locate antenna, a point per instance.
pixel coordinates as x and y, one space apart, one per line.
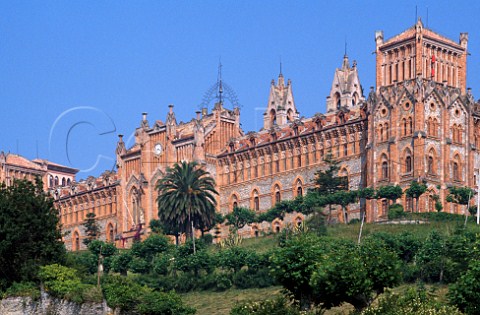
219 81
345 45
281 65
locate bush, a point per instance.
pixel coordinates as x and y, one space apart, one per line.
139 265
279 306
121 262
207 239
63 282
163 303
465 293
395 211
260 278
23 289
235 258
223 282
413 302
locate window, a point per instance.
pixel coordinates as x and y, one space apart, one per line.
404 122
256 201
76 241
345 149
456 172
408 164
430 168
385 170
56 180
68 182
299 191
278 197
299 160
51 181
384 207
63 182
410 125
234 205
409 204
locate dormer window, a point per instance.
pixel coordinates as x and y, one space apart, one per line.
231 147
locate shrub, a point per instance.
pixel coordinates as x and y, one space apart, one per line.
413 302
63 282
23 289
121 261
235 258
163 303
223 282
465 293
395 211
139 265
279 306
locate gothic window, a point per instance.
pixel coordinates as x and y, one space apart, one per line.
63 182
278 197
345 149
110 233
76 241
456 171
277 165
56 181
410 125
384 206
385 130
409 204
273 117
408 164
299 160
337 100
385 170
380 132
68 182
234 205
256 201
51 181
299 185
404 123
307 158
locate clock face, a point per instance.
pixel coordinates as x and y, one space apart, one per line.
158 149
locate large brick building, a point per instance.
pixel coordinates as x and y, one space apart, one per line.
419 123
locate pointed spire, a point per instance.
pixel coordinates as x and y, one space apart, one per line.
219 81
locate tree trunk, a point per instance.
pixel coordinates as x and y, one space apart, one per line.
361 226
177 239
344 209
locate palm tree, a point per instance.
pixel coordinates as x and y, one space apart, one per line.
186 198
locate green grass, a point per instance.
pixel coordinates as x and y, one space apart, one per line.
220 303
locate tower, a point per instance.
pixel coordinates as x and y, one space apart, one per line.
421 118
346 89
281 105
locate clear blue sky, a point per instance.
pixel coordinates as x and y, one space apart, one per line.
86 70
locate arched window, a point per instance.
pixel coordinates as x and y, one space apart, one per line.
384 169
404 121
456 171
384 207
435 127
409 204
408 164
110 233
63 182
256 201
290 115
299 188
51 181
345 149
385 130
56 181
234 205
75 241
337 100
273 117
278 197
431 162
380 132
410 125
69 182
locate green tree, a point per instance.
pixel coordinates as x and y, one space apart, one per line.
415 191
186 198
343 199
328 182
465 293
92 230
354 274
240 217
30 234
390 192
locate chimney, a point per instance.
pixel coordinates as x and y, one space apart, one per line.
170 108
120 138
144 116
204 111
198 114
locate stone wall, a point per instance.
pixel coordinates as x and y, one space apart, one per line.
47 305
